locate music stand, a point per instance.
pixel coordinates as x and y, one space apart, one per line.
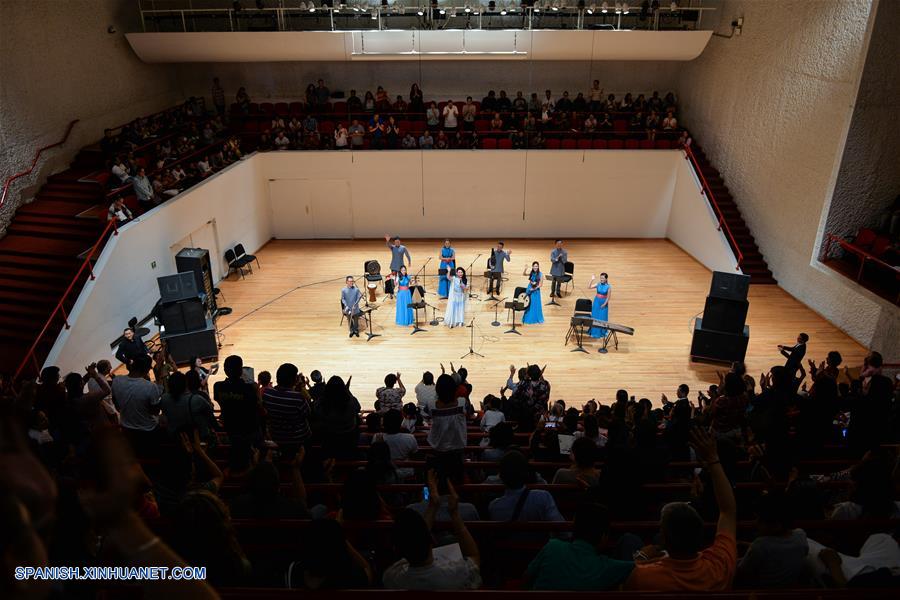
367 312
416 306
499 277
496 321
514 306
471 351
578 330
553 301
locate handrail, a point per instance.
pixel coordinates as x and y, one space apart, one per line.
37 157
707 191
113 225
864 255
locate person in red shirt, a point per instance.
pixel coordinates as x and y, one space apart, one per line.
683 566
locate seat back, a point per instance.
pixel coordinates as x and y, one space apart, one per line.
583 305
865 238
569 267
239 250
229 256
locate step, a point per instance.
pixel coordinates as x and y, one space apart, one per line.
26 273
9 297
26 312
49 286
18 245
58 208
39 264
70 175
73 186
87 234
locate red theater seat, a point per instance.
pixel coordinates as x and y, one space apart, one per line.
489 144
552 144
504 144
616 144
599 144
568 144
647 145
632 144
584 144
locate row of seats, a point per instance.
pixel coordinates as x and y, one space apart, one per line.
285 109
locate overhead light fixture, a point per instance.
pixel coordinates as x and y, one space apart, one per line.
420 12
625 8
312 6
467 9
604 8
618 8
442 11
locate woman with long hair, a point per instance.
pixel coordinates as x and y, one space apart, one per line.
416 102
336 421
455 315
534 314
448 265
600 307
404 314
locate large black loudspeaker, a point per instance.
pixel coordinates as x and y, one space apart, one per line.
183 346
182 316
177 287
721 314
730 286
721 334
718 346
196 261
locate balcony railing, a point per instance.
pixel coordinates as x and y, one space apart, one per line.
328 15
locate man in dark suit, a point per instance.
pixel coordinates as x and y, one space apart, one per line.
794 354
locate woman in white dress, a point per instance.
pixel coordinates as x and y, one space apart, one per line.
455 315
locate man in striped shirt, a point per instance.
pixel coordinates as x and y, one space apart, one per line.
287 411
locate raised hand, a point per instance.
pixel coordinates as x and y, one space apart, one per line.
704 445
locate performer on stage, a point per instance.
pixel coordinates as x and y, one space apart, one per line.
455 315
600 308
534 314
558 258
350 297
404 297
495 263
448 264
398 251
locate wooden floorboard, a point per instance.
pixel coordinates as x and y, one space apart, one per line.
288 310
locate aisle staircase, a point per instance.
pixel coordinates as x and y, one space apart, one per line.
753 263
40 253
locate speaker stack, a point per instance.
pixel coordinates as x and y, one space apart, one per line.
721 335
187 327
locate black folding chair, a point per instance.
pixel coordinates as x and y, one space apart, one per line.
245 258
233 263
570 274
583 306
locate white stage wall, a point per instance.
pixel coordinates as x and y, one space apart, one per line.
430 194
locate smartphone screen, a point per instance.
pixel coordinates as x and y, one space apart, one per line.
425 493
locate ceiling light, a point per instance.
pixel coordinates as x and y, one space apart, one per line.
442 11
467 9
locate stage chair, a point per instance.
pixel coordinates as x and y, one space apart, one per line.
569 273
233 263
583 306
244 257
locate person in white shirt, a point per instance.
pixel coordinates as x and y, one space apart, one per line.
138 400
424 567
670 122
403 446
178 173
203 166
492 415
341 136
426 396
120 170
118 211
450 114
281 141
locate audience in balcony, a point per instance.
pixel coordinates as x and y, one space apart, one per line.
450 113
416 99
354 104
426 141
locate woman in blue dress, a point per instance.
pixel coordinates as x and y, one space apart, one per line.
404 298
448 262
455 315
535 312
600 308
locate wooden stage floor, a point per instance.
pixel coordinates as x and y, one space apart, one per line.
288 311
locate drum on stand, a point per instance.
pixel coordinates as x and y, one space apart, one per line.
372 286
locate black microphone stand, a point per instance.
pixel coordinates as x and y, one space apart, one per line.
471 351
472 275
496 321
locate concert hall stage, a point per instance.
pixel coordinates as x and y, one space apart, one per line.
289 311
